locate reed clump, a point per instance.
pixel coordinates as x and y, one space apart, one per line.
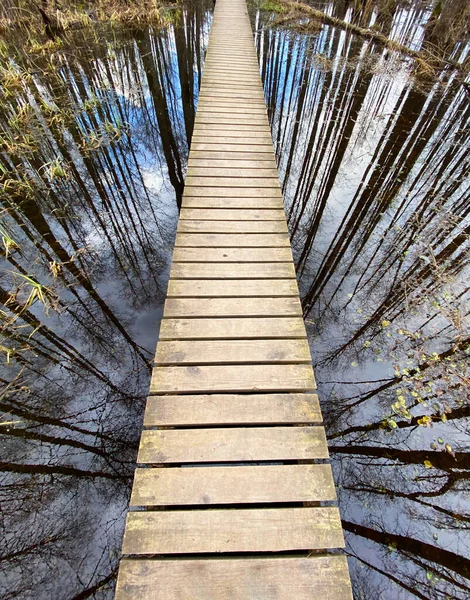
57 16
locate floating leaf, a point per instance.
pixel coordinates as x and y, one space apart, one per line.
354 364
448 448
427 464
391 423
385 324
440 440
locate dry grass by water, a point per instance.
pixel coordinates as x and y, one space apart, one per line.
305 19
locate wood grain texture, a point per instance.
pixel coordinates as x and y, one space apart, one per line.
221 240
258 270
292 578
229 255
226 214
243 328
254 530
232 378
232 445
232 485
227 192
221 352
234 409
232 163
187 226
232 203
288 306
241 288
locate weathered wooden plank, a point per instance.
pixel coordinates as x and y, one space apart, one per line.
227 255
232 307
244 328
232 271
234 137
235 240
233 409
235 444
233 182
235 288
238 192
227 147
237 83
235 203
232 171
231 163
217 118
233 378
187 226
233 485
254 530
292 578
223 352
201 214
234 129
219 91
211 101
235 110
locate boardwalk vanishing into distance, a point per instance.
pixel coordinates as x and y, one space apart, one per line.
233 497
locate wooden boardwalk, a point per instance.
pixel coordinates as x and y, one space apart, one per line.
233 497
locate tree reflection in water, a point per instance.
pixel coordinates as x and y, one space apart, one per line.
94 143
374 165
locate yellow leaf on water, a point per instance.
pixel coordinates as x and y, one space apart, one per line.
428 464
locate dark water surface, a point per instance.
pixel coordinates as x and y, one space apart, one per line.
374 165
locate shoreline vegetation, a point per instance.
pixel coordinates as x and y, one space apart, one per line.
445 33
54 17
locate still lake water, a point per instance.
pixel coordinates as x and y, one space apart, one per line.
374 165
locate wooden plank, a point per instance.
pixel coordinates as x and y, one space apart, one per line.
232 271
224 192
233 182
210 101
236 444
233 485
235 240
254 530
201 214
232 307
223 352
227 255
243 328
232 163
233 138
234 409
235 203
237 83
241 288
186 226
234 129
223 108
232 171
232 378
224 119
291 578
232 157
224 146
